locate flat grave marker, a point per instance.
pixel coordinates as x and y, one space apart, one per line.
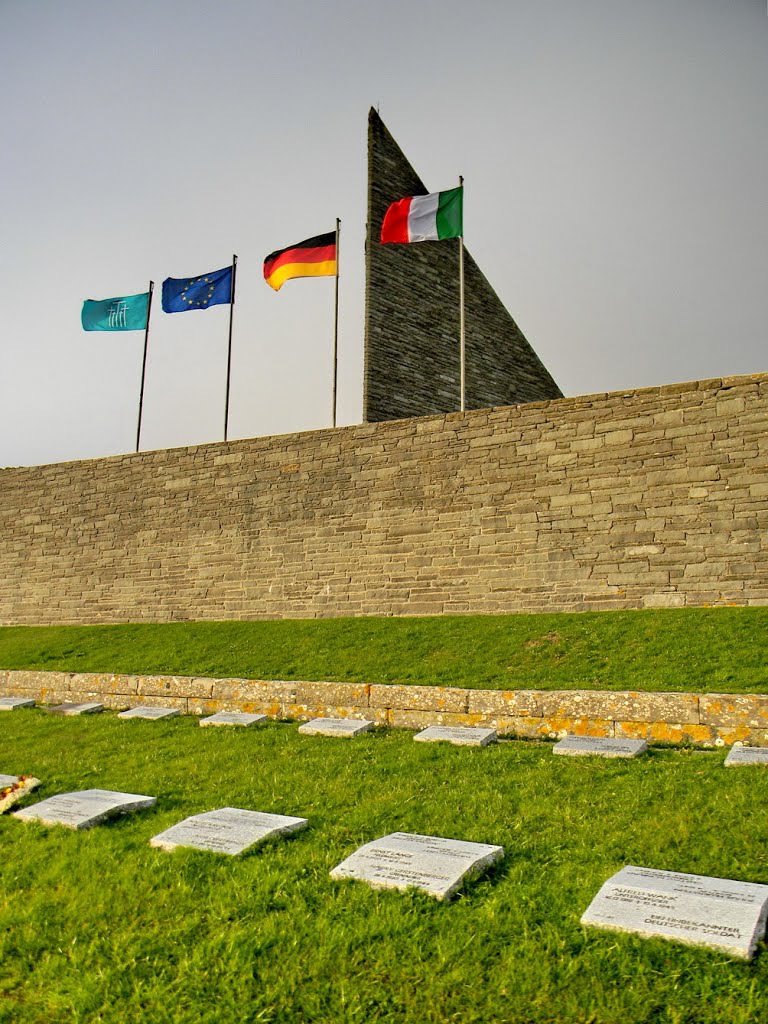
403 860
14 788
232 718
738 756
228 830
599 746
459 735
346 727
700 911
12 703
152 714
85 808
69 708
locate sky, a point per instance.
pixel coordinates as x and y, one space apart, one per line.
614 152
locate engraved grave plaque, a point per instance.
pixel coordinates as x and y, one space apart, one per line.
738 756
599 746
459 735
403 860
85 808
69 708
232 718
695 909
152 714
12 703
348 727
227 830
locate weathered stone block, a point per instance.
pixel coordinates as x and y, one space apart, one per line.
103 683
349 694
416 698
173 686
733 710
625 705
503 703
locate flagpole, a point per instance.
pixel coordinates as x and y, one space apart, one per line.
229 344
336 323
144 363
462 346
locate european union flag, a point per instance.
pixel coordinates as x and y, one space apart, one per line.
182 293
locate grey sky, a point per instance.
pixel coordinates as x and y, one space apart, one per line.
615 159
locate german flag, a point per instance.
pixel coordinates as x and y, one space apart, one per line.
314 257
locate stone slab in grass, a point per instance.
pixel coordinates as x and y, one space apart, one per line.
13 703
403 860
232 718
717 912
228 830
459 735
738 756
599 746
14 788
85 808
151 714
69 708
343 727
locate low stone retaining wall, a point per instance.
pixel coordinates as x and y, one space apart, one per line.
704 719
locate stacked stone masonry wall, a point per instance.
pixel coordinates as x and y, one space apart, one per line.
649 498
412 365
713 719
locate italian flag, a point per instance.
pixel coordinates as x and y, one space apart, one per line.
424 218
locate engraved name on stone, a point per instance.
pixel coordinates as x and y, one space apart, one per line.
152 714
347 727
459 735
69 708
738 756
717 912
85 808
228 830
232 718
403 860
12 703
599 746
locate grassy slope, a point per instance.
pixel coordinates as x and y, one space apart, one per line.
720 649
99 926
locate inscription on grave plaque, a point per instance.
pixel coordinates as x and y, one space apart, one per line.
151 714
403 860
738 756
599 746
459 735
85 808
695 909
228 830
69 708
12 703
348 727
232 718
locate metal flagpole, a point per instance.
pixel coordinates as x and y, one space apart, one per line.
229 344
144 363
462 347
336 323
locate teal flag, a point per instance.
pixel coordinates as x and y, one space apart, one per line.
125 313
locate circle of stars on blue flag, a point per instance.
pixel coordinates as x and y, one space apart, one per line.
206 298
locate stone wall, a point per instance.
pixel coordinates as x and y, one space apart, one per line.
650 498
412 365
713 719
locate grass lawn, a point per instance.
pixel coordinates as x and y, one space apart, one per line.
99 926
699 649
